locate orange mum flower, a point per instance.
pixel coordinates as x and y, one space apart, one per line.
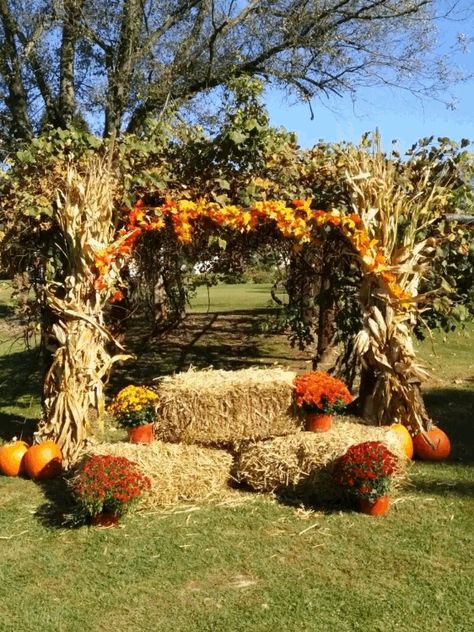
319 392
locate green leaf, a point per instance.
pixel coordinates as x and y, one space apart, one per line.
237 137
31 211
460 313
25 157
223 184
446 287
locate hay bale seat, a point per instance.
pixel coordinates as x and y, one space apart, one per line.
300 466
178 473
223 408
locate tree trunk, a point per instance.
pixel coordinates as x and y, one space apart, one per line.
365 401
67 100
121 69
11 67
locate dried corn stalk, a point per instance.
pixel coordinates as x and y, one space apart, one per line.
396 209
73 387
385 349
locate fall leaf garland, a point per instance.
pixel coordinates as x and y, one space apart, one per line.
297 222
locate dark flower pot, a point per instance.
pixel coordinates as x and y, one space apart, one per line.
105 519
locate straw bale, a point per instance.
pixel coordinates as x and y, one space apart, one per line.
216 407
178 473
301 465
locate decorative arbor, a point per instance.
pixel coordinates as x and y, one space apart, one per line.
384 230
388 294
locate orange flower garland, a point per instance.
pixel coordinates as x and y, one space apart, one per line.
297 221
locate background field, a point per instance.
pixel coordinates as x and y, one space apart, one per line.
251 564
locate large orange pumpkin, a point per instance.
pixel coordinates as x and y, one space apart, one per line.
43 460
404 437
432 445
11 458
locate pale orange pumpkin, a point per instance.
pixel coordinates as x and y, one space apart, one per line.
404 437
11 458
43 460
432 445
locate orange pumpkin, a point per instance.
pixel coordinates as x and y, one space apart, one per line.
11 458
43 460
404 437
432 445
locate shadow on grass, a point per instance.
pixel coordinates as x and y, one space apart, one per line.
20 382
307 502
452 409
58 512
221 340
446 486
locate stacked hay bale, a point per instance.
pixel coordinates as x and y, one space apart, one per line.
300 466
224 408
202 415
218 427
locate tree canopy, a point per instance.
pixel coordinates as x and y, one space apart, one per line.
111 65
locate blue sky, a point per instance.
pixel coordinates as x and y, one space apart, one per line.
395 113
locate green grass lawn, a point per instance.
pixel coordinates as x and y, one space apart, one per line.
228 298
253 565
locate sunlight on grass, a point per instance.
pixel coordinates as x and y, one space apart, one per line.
226 298
450 356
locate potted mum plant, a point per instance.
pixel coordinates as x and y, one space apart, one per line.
320 395
106 487
365 472
134 408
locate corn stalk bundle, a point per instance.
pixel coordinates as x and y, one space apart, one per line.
397 207
385 346
73 386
